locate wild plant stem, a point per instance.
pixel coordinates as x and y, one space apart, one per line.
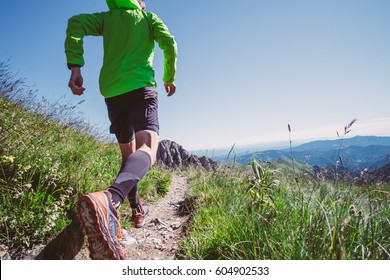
292 156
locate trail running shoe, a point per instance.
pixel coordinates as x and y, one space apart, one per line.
139 216
101 223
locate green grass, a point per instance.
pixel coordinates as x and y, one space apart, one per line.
45 165
317 220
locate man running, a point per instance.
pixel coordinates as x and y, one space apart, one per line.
128 85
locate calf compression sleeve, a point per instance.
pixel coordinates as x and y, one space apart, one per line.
133 197
132 171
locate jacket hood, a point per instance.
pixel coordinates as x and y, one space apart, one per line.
123 4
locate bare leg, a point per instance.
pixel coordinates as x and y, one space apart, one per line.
147 141
126 150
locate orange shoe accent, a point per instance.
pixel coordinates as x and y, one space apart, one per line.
101 224
138 218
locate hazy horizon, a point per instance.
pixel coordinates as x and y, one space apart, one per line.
240 150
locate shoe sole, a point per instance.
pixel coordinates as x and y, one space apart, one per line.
100 244
139 225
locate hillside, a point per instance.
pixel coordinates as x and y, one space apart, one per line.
44 166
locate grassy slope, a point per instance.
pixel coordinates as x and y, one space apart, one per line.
244 217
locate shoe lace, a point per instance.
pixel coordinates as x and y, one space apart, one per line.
116 205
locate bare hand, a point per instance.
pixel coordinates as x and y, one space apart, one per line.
170 88
76 81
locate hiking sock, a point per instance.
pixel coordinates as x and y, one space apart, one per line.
133 170
133 197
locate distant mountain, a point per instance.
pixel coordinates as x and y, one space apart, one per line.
356 153
359 141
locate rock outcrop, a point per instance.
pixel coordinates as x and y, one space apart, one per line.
358 177
381 175
172 155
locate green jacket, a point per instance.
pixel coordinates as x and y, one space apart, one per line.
128 39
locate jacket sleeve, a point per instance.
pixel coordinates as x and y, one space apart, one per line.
168 44
78 27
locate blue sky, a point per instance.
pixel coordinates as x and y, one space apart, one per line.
246 69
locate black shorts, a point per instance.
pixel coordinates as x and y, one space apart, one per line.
133 111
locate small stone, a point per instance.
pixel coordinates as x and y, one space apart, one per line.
127 241
4 255
156 241
175 226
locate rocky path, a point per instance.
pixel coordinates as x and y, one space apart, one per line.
163 230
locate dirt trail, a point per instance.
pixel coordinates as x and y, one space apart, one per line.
163 230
